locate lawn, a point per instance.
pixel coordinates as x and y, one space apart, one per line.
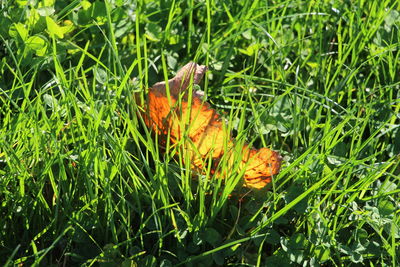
84 181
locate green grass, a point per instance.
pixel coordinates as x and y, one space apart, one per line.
84 182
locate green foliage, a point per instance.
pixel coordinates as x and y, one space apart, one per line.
83 181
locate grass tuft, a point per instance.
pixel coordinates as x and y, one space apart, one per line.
84 182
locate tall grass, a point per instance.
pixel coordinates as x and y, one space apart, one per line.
84 181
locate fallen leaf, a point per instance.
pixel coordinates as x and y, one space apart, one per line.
182 116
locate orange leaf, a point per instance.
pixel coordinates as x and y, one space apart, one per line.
203 127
